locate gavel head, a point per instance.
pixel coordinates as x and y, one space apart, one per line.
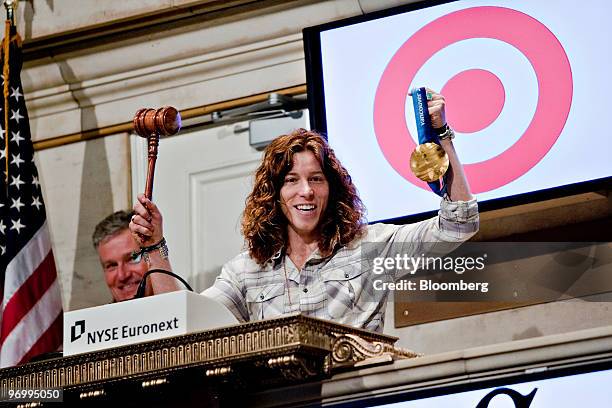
165 121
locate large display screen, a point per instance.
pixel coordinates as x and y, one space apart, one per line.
580 390
526 83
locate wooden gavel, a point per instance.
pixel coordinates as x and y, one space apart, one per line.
150 124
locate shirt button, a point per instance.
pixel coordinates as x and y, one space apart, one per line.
305 290
346 275
261 297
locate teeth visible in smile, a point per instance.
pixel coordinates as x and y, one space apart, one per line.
305 207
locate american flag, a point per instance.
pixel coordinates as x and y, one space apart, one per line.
31 315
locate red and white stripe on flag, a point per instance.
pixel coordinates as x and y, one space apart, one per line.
31 307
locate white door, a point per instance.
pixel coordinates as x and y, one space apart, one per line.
201 183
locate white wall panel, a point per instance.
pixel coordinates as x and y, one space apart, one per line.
217 203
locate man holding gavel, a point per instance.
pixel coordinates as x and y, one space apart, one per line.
304 228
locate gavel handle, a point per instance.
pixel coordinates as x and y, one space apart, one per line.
153 143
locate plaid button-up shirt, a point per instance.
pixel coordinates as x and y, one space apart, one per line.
338 287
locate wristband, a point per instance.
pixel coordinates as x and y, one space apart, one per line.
144 251
445 133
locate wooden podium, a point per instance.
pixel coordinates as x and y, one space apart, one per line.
209 368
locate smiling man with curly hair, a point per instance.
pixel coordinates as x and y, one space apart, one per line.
304 229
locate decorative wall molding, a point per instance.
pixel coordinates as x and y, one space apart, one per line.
197 112
207 60
51 23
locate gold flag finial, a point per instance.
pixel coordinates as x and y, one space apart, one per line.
11 7
12 4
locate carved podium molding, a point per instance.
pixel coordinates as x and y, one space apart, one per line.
350 350
271 352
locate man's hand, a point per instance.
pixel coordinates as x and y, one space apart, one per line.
436 107
146 225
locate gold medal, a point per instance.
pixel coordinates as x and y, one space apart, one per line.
429 162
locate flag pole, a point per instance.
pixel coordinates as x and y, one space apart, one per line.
10 6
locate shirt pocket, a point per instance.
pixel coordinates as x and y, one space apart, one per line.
343 287
265 302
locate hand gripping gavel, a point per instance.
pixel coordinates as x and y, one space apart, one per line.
150 124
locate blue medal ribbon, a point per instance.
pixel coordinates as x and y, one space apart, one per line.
426 132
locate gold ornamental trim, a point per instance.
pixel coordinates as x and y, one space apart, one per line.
291 348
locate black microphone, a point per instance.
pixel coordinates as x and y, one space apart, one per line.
142 286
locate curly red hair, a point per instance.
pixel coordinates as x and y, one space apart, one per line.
264 225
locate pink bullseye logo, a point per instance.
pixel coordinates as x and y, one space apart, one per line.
476 97
466 87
